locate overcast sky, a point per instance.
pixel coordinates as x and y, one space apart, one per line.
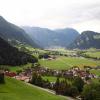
79 14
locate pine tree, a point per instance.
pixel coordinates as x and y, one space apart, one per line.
57 86
2 80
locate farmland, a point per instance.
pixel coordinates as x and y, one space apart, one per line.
61 62
16 90
95 71
68 62
93 54
15 68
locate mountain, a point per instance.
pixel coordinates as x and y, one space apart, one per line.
9 32
11 56
67 35
88 39
52 38
43 36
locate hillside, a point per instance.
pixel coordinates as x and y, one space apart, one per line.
67 35
52 38
88 39
11 56
11 32
16 90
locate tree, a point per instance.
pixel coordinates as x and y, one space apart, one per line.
57 86
34 77
91 91
37 79
79 83
2 80
73 91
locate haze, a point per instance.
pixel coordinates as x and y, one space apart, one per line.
79 14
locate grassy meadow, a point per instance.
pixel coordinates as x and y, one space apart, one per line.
17 90
93 54
68 62
15 68
95 71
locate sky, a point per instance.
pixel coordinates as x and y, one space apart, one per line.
79 14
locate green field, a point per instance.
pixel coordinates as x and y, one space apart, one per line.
93 54
68 62
96 72
15 68
17 90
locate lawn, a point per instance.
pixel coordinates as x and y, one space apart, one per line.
68 62
17 90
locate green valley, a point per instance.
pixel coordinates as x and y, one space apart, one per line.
68 62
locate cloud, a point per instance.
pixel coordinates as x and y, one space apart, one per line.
53 13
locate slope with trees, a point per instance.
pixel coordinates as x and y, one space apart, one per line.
52 38
11 32
12 56
88 39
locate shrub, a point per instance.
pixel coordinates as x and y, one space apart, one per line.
91 91
2 80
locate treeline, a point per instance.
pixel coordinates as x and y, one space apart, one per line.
88 56
78 89
69 87
38 80
82 53
2 79
12 56
74 87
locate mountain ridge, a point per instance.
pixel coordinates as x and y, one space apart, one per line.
87 39
49 38
13 32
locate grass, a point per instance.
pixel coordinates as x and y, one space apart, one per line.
68 62
93 54
17 90
96 72
15 68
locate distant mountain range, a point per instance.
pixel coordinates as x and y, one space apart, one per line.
68 38
11 32
46 38
52 38
87 39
